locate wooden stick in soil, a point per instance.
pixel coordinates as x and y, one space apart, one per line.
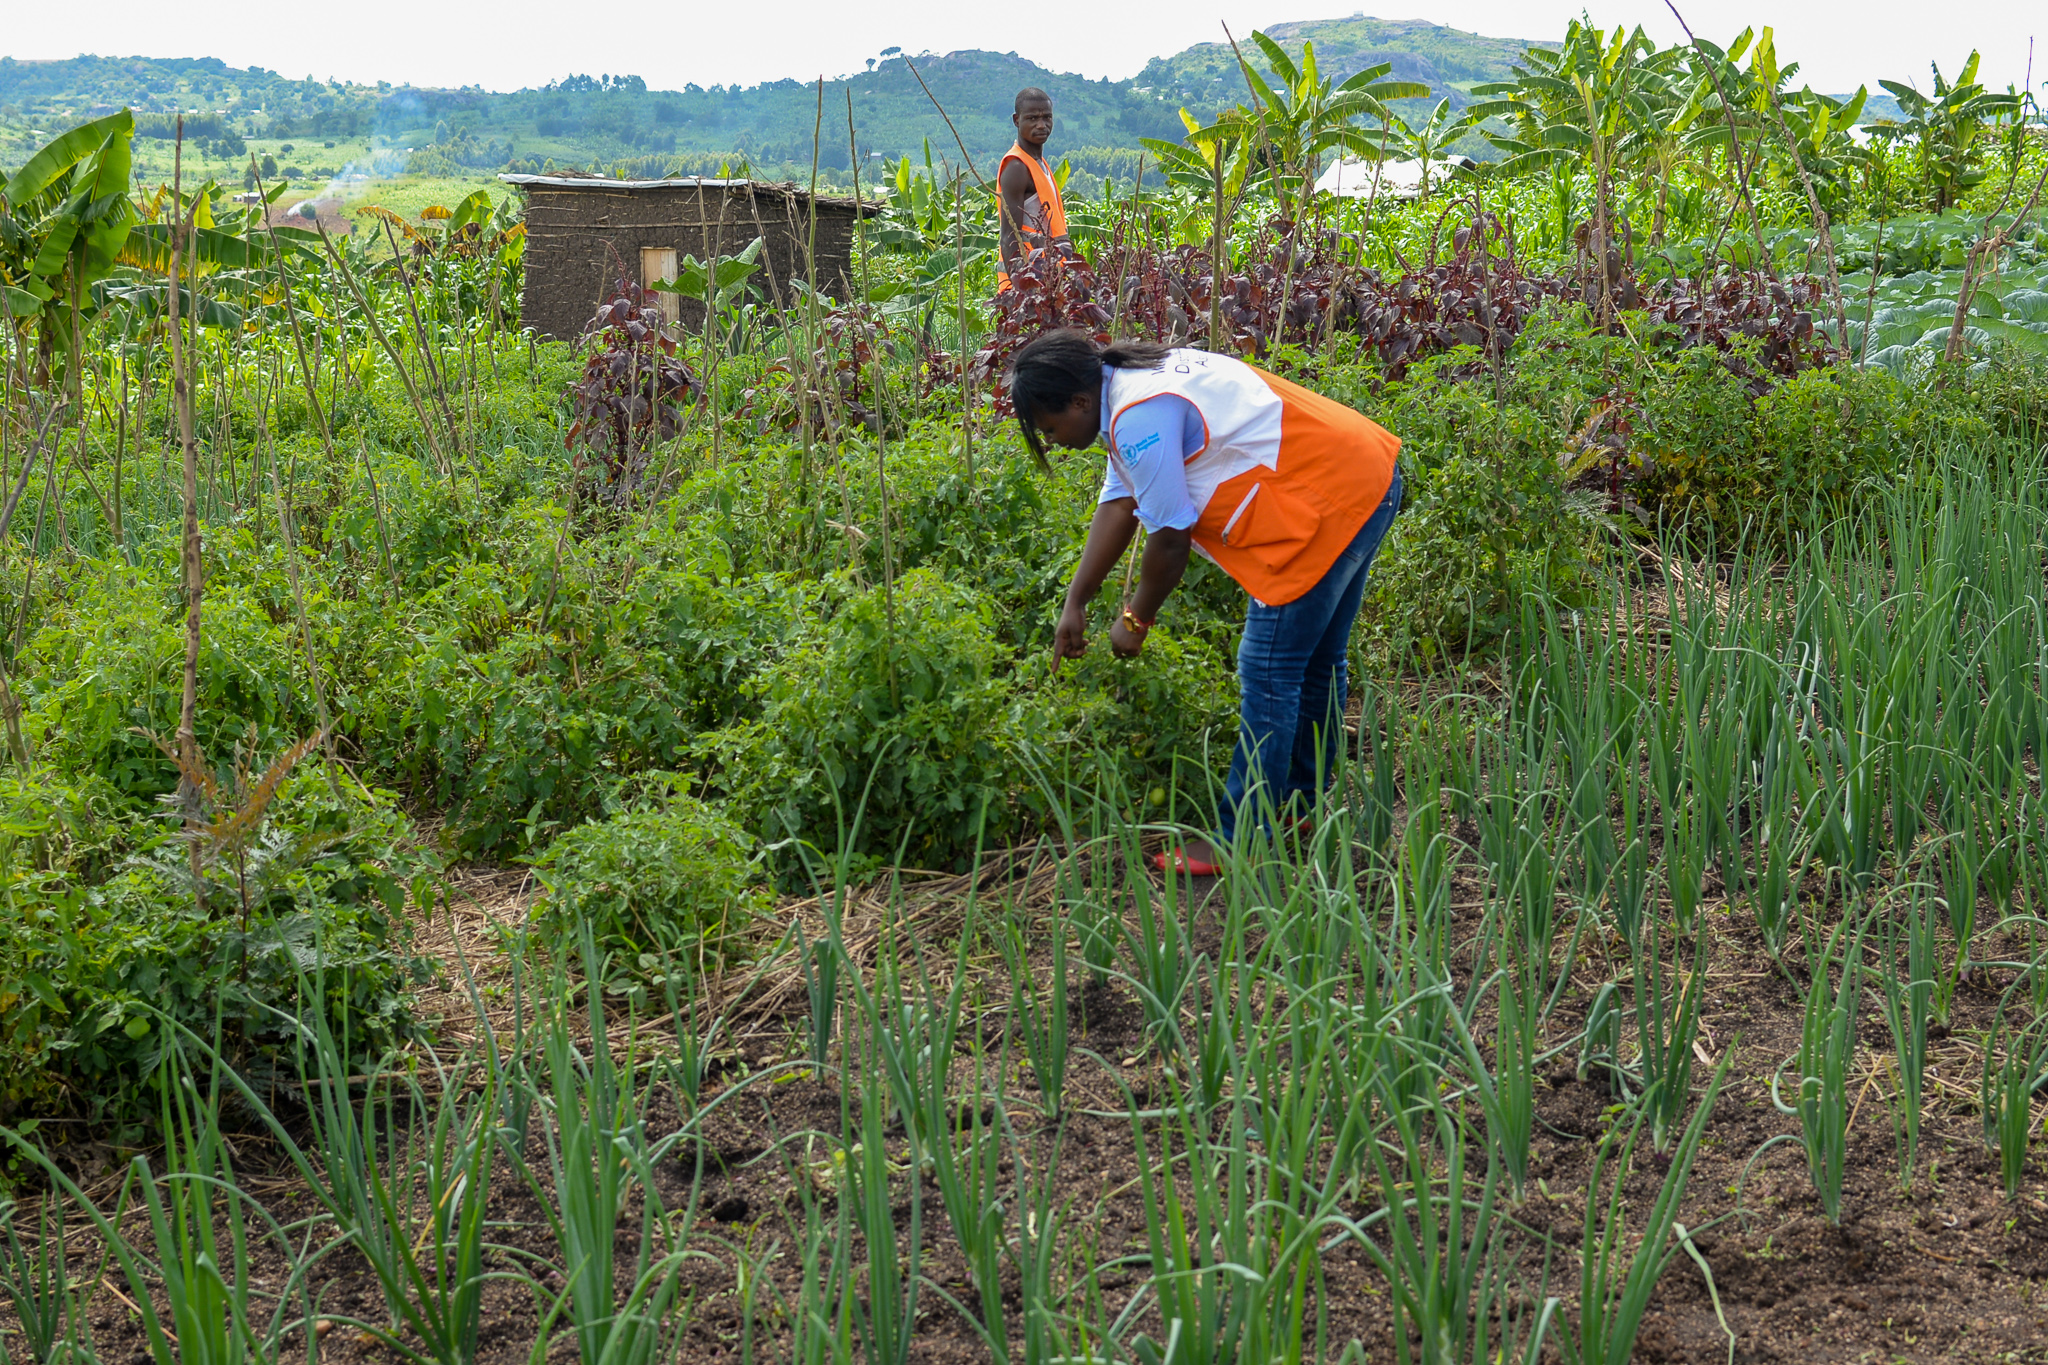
1986 249
37 439
1734 142
881 452
79 463
966 387
1128 237
1870 299
804 366
10 705
1820 221
291 564
35 540
181 390
427 357
714 344
813 378
308 375
120 449
1273 168
419 406
1217 259
965 154
377 507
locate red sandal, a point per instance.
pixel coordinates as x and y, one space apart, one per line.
1177 860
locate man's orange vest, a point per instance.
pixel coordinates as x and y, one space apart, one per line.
1050 220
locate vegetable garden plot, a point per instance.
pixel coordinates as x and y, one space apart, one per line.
1661 980
1681 989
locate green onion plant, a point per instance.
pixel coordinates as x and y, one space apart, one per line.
1827 1049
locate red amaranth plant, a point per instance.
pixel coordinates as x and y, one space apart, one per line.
633 388
1776 315
1046 292
833 381
1299 287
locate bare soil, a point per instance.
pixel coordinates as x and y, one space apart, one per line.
1948 1270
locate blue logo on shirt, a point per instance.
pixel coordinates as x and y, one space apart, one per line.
1131 452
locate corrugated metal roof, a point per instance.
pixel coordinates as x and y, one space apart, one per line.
576 182
868 207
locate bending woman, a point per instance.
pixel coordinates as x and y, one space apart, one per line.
1290 493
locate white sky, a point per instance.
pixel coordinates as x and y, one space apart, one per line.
512 43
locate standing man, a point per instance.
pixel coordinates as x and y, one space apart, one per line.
1033 217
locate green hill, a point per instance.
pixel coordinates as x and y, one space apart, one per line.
321 128
1450 61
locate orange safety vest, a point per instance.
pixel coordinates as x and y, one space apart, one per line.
1049 221
1285 477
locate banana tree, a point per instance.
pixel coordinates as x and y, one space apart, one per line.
1301 116
920 214
1580 102
1660 141
226 246
1429 144
1948 130
1215 159
1734 122
2017 126
64 217
1820 126
484 245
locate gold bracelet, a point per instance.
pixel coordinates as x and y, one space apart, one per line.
1133 624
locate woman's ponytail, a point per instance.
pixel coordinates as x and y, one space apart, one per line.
1134 355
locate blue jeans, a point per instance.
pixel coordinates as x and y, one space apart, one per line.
1291 668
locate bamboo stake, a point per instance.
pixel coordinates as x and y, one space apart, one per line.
1734 142
881 439
181 391
960 273
1820 221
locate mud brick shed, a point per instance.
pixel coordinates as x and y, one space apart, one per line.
583 232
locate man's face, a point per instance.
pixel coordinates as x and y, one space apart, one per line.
1034 122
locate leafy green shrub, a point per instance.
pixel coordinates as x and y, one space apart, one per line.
2006 395
1011 531
660 878
521 730
1486 513
55 829
1152 732
1825 433
902 695
1788 461
89 973
105 673
1697 434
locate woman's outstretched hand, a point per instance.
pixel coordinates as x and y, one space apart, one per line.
1124 642
1070 637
